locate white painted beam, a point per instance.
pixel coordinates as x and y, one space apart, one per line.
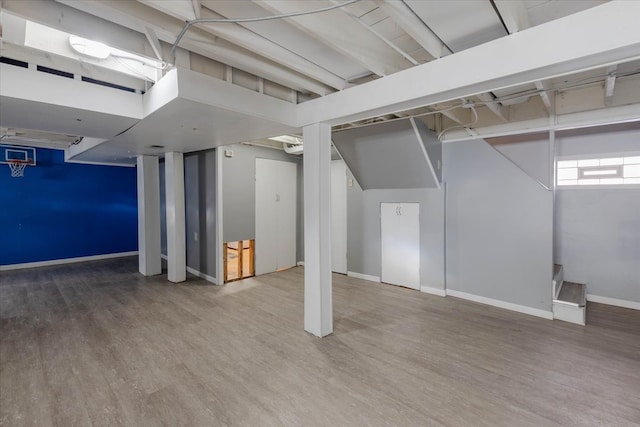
547 95
514 14
196 8
609 34
459 115
584 119
181 9
409 21
352 41
516 18
149 261
136 16
249 40
318 311
610 84
495 107
176 230
153 41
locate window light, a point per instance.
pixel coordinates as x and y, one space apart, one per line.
89 47
601 172
590 172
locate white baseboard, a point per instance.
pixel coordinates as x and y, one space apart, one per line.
196 272
363 276
502 304
202 275
433 291
300 263
614 301
65 261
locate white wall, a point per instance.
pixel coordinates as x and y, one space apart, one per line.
598 229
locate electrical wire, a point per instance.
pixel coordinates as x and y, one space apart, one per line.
189 24
464 126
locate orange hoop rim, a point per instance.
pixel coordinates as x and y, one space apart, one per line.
19 161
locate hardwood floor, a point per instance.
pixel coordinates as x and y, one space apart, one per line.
98 344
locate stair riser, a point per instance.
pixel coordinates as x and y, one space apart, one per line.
569 313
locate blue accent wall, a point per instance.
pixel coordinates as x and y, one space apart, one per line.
65 210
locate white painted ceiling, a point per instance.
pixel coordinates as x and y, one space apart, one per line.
300 57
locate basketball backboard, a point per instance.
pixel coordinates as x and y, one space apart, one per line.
17 152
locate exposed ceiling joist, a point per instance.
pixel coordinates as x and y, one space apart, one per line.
153 41
135 16
459 115
516 18
352 41
196 8
610 84
409 21
514 15
252 41
547 95
182 9
609 35
495 107
376 33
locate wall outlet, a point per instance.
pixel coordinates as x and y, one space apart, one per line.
350 182
228 153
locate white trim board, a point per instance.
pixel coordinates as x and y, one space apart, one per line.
196 272
614 301
202 275
433 291
502 304
363 276
65 261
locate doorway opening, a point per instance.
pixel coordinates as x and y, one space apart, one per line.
239 260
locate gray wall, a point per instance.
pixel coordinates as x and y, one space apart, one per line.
239 202
200 211
531 156
598 230
390 155
363 228
498 227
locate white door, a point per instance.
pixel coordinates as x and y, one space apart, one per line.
400 240
339 216
275 215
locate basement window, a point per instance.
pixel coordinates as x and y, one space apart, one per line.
606 171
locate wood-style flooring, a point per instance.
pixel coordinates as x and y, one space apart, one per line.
97 344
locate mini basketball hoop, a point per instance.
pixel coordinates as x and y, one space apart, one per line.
17 166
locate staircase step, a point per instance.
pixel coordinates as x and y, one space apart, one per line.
573 293
571 303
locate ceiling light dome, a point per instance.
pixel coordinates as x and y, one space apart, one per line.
89 47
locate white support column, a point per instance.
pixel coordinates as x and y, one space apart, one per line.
149 262
176 237
318 308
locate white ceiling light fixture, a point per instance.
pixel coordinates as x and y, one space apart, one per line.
89 47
